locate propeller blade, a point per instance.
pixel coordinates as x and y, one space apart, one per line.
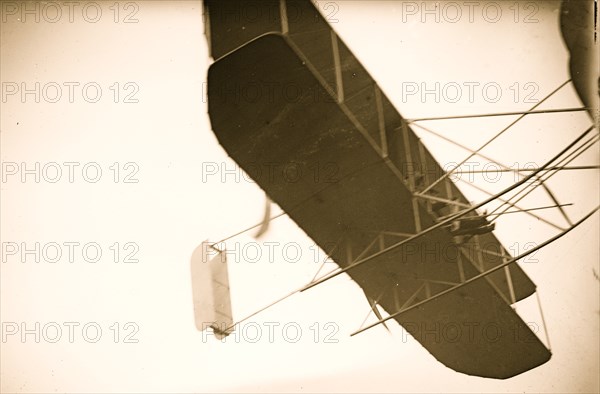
264 226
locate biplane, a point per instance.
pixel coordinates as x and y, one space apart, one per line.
390 202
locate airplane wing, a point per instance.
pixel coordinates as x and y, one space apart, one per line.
295 109
579 31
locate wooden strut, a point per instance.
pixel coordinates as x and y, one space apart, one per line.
476 277
452 218
537 294
440 199
494 137
327 258
477 152
421 234
541 111
561 168
515 206
503 168
373 304
568 159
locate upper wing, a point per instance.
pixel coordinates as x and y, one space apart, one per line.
286 93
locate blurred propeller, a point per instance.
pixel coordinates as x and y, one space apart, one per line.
264 226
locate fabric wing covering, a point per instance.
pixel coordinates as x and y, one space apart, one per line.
285 92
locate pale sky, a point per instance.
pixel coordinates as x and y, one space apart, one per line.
166 138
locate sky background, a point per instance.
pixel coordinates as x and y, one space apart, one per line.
176 203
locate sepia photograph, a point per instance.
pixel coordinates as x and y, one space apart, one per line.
300 196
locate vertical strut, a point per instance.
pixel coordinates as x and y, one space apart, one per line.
511 289
338 68
537 294
411 177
